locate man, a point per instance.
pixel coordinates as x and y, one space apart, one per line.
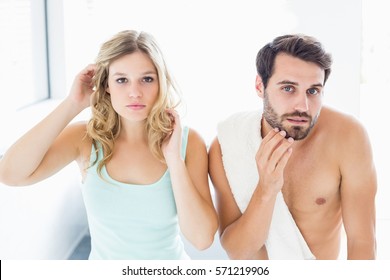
287 178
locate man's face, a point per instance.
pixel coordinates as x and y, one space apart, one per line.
293 97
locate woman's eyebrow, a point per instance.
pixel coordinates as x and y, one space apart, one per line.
148 72
119 74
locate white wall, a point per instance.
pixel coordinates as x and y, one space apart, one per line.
211 46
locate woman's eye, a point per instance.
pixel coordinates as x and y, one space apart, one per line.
312 91
147 79
121 80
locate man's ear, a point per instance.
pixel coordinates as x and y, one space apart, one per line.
259 86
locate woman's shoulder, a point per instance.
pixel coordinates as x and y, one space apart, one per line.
196 145
78 130
196 150
78 133
194 137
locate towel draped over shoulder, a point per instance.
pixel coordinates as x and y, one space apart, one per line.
239 137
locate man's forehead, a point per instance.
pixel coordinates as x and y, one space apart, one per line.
294 70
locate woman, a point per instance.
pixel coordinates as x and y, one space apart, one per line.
144 177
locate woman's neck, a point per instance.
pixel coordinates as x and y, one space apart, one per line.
133 131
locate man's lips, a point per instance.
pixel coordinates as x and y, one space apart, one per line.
298 120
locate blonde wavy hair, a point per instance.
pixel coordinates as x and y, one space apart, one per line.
104 125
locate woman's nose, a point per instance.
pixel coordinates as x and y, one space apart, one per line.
134 90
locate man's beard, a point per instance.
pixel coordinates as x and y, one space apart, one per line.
295 132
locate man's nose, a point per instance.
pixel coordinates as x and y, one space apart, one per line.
301 103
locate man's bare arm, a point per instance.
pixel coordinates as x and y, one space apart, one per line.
358 190
243 235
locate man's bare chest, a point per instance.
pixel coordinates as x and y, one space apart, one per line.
311 182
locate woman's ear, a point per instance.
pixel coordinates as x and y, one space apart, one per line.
108 90
259 86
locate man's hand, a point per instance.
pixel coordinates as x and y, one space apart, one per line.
271 159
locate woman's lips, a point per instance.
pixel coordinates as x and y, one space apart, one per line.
136 106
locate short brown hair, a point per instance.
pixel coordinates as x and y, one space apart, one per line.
301 46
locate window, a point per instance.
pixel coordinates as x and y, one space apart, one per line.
22 54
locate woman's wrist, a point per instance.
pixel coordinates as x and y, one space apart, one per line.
74 108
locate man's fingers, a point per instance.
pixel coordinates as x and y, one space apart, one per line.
279 152
279 169
270 134
275 139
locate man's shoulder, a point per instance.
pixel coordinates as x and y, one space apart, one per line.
239 119
342 128
338 120
240 131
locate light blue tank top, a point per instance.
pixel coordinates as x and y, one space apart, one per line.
132 221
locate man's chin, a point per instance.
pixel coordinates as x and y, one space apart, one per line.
297 133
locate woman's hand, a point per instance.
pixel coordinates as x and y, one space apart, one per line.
82 88
171 145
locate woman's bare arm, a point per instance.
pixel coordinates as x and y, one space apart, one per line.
48 146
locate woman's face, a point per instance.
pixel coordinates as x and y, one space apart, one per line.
133 86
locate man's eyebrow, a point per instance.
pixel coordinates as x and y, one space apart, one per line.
287 82
318 85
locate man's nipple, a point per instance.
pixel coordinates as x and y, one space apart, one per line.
320 201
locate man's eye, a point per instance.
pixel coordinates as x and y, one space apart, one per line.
312 91
288 89
121 80
148 79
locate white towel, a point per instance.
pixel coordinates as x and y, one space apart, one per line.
239 137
